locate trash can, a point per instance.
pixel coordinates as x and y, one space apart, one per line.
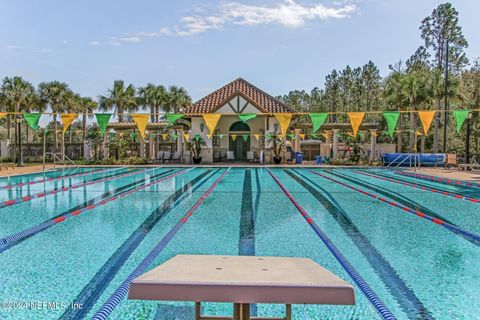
298 157
319 160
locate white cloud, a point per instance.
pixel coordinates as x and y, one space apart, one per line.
94 43
65 42
289 14
44 50
12 47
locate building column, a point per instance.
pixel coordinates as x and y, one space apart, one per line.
335 143
373 144
328 142
180 141
105 144
142 146
297 144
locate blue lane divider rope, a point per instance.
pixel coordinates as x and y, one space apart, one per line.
107 308
381 308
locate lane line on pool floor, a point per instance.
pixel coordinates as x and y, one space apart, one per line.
416 186
406 298
112 302
379 305
452 182
388 194
470 236
11 202
61 177
100 281
15 238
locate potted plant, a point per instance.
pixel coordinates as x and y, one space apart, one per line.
277 145
195 146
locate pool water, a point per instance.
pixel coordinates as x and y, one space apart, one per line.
71 239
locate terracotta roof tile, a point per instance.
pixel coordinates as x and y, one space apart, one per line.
265 102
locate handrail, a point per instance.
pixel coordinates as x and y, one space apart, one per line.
58 158
416 160
392 162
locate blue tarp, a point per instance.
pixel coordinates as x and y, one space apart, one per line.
424 159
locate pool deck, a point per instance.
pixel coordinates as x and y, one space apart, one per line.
451 174
25 170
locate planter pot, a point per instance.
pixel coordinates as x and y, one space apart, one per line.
197 160
277 160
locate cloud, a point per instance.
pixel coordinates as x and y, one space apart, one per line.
12 47
65 42
44 50
94 43
289 14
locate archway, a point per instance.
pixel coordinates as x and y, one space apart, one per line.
239 145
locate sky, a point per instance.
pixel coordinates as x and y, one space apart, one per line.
203 44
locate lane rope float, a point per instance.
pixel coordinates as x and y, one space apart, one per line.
107 308
61 177
425 188
49 223
451 182
11 202
379 305
446 225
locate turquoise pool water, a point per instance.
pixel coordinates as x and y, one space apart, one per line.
75 237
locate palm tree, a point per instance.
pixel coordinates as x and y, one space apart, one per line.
154 97
18 94
55 95
86 107
393 95
121 98
178 99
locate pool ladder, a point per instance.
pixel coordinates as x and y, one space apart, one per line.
57 157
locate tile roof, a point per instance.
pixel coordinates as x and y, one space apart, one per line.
215 100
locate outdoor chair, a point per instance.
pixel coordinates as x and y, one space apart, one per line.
223 155
159 157
216 156
250 156
176 157
230 156
166 156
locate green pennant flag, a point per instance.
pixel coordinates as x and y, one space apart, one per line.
220 135
291 136
392 119
318 119
172 117
102 121
268 135
245 137
132 135
174 136
32 119
460 116
313 135
244 117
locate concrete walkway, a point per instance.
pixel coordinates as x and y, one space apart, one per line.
451 174
25 170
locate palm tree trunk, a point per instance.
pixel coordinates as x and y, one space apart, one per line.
413 126
120 114
9 127
84 126
399 135
55 142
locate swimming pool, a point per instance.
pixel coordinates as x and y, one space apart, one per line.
409 245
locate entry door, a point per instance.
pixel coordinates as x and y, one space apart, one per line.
240 147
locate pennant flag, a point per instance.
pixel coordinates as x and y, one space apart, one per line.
186 136
284 120
220 135
318 119
102 121
426 117
141 120
374 133
257 136
325 135
172 117
67 119
302 136
2 114
419 133
234 136
356 119
164 136
313 135
175 136
280 136
196 137
392 119
152 136
211 120
132 135
291 136
460 116
245 137
32 119
209 136
244 117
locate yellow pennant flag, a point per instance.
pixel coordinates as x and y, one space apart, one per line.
284 121
67 120
209 136
302 136
418 133
257 136
374 133
164 136
356 119
2 114
141 121
325 135
186 136
426 117
280 136
234 136
211 120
